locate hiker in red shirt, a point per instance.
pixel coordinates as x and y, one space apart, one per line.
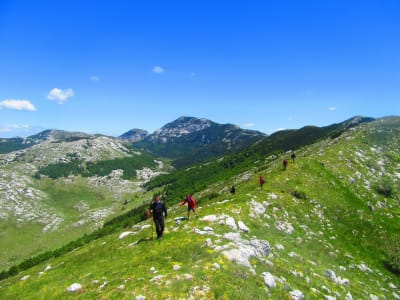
285 163
191 202
262 181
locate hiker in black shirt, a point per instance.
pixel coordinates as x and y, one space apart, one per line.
293 156
159 213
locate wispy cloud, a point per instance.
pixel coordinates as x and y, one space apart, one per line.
14 127
158 70
60 95
94 78
248 125
13 130
332 108
17 104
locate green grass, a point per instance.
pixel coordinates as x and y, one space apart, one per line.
334 229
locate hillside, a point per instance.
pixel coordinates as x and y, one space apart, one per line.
198 177
65 185
189 140
326 228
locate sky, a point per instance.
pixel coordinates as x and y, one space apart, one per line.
110 66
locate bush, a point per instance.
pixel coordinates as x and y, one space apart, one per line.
385 187
392 262
299 194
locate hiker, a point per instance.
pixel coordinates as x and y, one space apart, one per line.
285 163
191 203
233 190
262 181
293 156
159 213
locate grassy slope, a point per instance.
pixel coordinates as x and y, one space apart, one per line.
24 240
333 229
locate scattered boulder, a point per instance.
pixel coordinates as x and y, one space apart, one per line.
349 296
26 277
231 223
240 250
75 287
243 227
216 266
210 218
296 295
176 267
157 279
269 280
284 226
257 209
125 234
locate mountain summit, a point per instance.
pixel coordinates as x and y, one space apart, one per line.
189 140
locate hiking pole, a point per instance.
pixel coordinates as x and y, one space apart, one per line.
152 230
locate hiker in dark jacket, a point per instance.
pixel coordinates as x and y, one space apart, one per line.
233 190
293 156
191 203
159 213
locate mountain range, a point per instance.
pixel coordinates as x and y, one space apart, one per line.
326 228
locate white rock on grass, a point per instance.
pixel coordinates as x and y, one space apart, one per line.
157 279
373 297
140 297
231 223
242 250
217 266
392 286
395 296
296 295
364 268
243 227
147 226
257 209
210 218
125 234
349 296
26 277
284 226
176 267
272 196
337 279
269 280
75 287
329 297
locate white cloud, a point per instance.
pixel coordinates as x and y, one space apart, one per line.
158 70
248 125
17 104
332 108
60 95
94 78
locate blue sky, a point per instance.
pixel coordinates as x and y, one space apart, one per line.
110 66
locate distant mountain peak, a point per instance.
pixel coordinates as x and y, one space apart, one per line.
182 126
59 135
134 135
